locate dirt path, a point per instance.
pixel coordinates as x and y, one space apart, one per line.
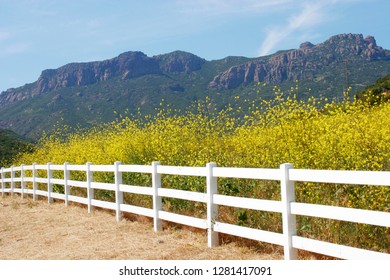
38 230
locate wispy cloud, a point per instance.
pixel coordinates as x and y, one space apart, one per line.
8 47
223 7
4 35
312 14
14 48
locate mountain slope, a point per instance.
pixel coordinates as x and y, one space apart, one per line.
306 63
10 145
88 93
378 92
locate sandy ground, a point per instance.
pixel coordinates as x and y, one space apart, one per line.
42 231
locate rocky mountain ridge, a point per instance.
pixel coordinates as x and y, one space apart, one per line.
88 93
299 64
127 65
290 65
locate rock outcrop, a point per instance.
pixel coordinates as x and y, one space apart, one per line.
127 65
299 64
180 61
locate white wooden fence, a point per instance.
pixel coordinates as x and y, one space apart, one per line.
287 206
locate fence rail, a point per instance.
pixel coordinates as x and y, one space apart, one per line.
287 206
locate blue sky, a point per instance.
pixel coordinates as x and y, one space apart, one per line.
42 34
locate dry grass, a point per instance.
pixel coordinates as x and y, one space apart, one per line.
38 230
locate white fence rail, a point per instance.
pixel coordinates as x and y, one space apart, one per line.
287 206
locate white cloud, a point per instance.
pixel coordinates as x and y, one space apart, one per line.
223 7
311 15
15 48
4 35
8 47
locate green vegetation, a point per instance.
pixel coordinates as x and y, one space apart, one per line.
11 144
376 93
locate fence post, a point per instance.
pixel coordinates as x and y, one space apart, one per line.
2 182
118 193
12 180
49 184
212 209
34 173
66 186
288 220
22 183
157 201
90 192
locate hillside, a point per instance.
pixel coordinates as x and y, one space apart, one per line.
89 93
10 145
377 92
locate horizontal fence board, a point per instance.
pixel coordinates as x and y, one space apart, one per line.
17 168
79 184
40 192
247 173
136 210
103 204
136 189
7 170
103 186
57 195
41 180
7 180
29 191
187 195
57 181
78 199
28 179
379 178
17 190
255 234
102 168
56 167
342 213
182 219
27 167
248 203
76 167
17 180
41 166
181 170
336 250
135 168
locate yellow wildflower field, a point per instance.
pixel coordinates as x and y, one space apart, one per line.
312 134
